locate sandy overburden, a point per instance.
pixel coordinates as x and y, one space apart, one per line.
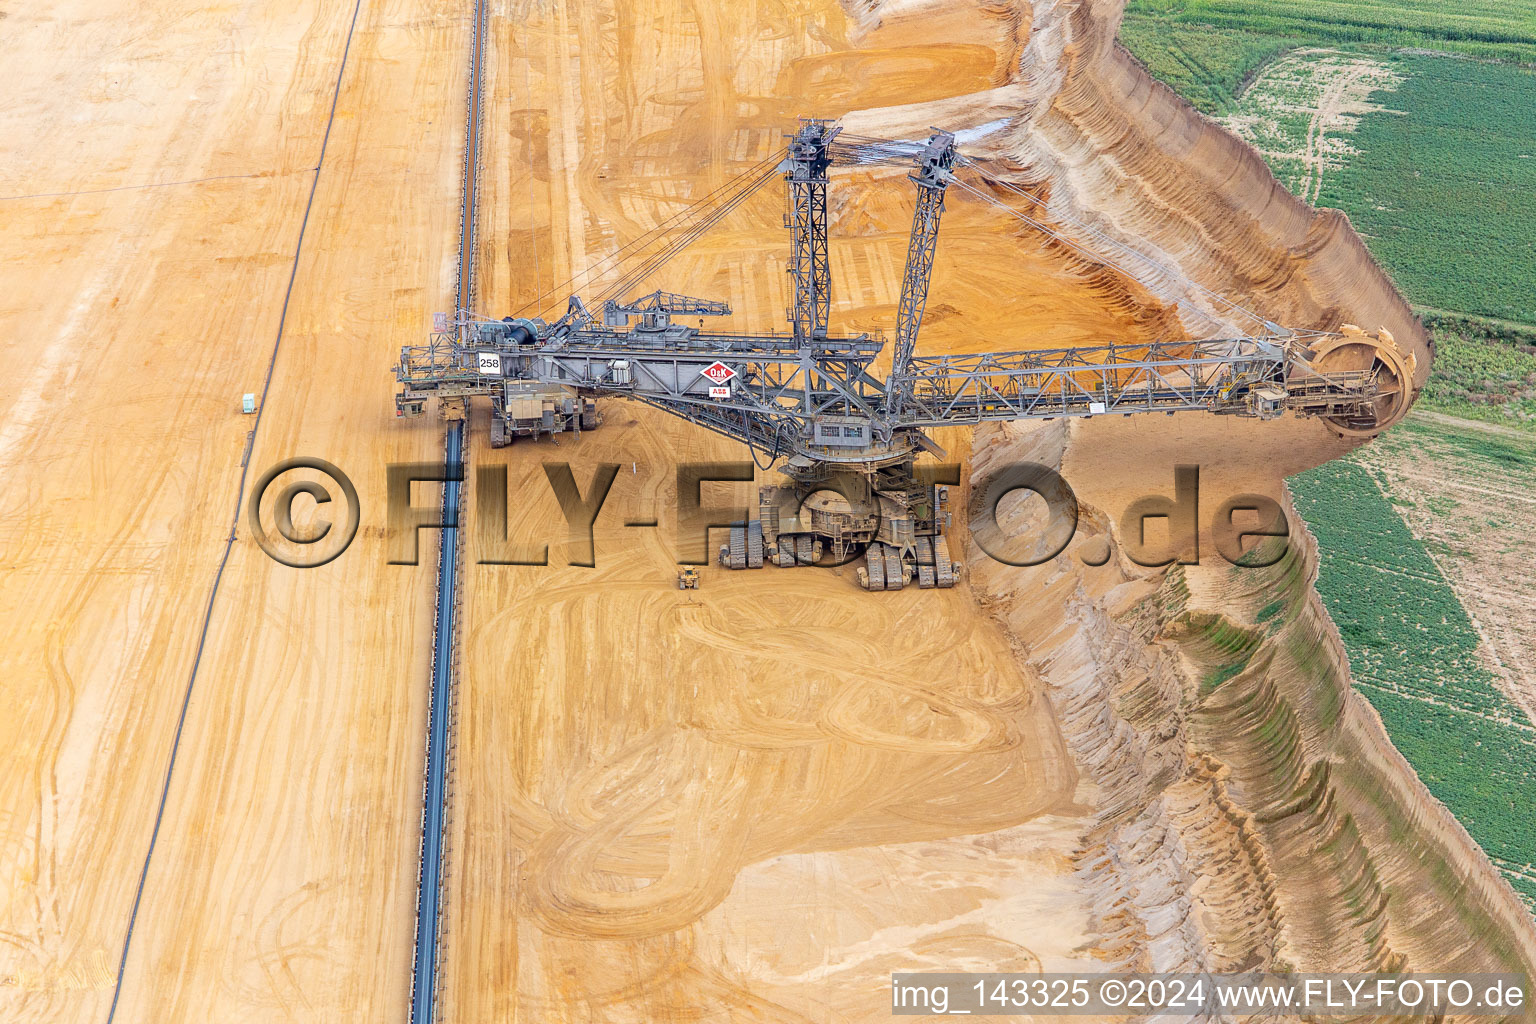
749 802
765 797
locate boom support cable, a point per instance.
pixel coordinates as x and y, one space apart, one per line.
706 221
630 250
1095 257
865 150
813 394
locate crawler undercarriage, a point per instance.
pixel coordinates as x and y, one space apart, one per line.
831 515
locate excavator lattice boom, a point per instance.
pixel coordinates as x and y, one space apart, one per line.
846 440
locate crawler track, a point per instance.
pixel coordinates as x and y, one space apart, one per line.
436 788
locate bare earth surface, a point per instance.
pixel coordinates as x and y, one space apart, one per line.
1475 515
1300 111
785 792
750 802
137 312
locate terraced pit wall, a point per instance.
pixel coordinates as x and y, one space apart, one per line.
1249 807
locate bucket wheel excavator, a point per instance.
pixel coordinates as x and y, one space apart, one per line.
847 441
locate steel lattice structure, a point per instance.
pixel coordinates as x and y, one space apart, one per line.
807 394
934 165
809 159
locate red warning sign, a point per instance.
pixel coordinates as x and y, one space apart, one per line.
718 373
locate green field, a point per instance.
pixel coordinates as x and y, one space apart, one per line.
1439 176
1483 371
1474 24
1412 651
1206 49
1445 191
1206 65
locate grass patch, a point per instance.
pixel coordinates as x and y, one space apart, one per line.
1301 111
1484 370
1503 29
1217 676
1482 379
1207 66
1474 452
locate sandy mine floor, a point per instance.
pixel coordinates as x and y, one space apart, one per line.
136 312
749 802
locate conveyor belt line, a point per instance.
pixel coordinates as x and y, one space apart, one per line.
435 790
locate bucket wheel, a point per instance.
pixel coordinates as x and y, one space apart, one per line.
1356 350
